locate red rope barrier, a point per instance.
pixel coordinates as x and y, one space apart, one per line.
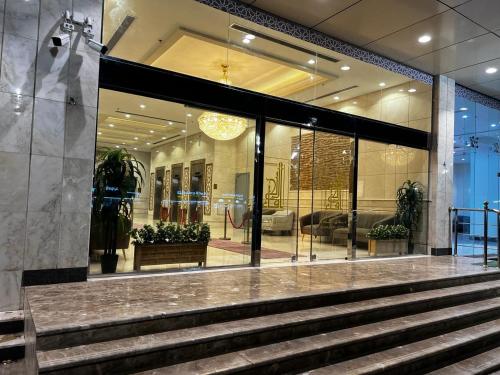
232 222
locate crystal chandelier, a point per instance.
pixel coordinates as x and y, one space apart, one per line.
220 126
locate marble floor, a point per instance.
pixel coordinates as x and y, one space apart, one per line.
126 298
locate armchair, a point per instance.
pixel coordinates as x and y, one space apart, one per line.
321 223
278 221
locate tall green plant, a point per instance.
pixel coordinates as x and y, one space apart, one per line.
410 197
116 177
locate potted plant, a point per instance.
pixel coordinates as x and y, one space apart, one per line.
170 244
410 197
388 240
116 177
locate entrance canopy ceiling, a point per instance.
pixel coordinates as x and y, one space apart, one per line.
465 34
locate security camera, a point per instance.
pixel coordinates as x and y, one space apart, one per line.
96 46
60 40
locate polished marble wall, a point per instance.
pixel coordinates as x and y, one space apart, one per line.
46 144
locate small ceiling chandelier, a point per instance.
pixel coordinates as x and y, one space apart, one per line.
220 126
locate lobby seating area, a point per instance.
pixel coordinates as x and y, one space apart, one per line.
366 221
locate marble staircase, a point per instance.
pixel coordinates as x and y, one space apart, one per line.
11 336
411 327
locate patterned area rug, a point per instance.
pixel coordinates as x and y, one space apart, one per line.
240 248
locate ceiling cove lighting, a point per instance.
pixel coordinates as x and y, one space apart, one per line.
491 70
220 126
345 67
424 39
382 84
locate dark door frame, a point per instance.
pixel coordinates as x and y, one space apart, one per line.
138 79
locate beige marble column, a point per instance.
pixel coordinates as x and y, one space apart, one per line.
441 165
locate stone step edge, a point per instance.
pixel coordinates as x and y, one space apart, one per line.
288 320
14 348
392 359
68 361
256 366
469 365
11 321
342 296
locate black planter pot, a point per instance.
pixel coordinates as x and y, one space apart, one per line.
108 263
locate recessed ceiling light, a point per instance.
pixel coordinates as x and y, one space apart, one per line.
311 61
412 90
170 122
463 159
246 41
463 108
117 146
250 36
151 131
381 84
142 106
135 148
163 137
183 130
491 70
354 102
157 151
401 90
136 138
336 97
189 115
123 143
424 39
465 116
127 115
99 133
111 125
148 143
345 67
493 125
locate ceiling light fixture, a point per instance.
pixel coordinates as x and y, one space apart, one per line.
491 70
246 41
424 39
136 138
336 97
99 133
170 122
117 146
382 84
412 90
463 108
183 130
354 102
493 125
311 61
135 148
220 126
151 131
111 125
465 116
148 143
189 115
142 106
127 115
163 138
345 67
250 36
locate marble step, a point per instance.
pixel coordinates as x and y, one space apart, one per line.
11 346
253 336
73 334
11 321
422 356
483 363
315 351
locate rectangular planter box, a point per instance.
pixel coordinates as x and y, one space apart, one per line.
150 255
387 247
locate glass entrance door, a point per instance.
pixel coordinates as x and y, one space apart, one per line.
307 194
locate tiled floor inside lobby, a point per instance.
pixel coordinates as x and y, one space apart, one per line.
127 298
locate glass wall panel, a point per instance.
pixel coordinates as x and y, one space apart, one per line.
475 173
383 170
195 39
197 167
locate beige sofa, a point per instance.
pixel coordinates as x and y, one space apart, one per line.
278 221
366 221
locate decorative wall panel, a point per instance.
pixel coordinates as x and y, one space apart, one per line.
209 168
151 191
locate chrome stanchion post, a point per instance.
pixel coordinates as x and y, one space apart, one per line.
485 242
225 224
